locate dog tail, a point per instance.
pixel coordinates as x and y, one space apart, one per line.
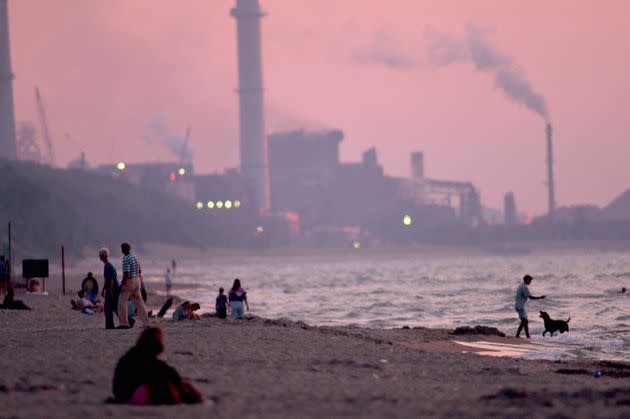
569 320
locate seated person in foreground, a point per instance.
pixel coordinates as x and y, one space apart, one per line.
141 378
10 303
186 311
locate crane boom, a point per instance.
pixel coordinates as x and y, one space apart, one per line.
43 121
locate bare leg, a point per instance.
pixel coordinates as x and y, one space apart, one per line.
520 328
526 328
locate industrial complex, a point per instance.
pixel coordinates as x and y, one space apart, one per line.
293 183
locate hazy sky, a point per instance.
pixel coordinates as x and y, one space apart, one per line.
106 69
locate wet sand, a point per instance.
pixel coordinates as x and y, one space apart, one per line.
58 363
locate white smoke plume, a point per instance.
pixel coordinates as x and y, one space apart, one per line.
443 50
159 132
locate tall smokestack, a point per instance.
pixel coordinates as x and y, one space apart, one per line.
550 182
417 165
253 142
7 116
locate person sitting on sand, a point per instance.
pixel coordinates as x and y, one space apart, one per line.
181 311
90 286
10 303
33 286
140 378
85 305
237 296
186 311
522 294
221 304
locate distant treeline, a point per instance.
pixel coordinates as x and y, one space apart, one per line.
83 209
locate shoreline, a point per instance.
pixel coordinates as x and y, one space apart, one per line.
59 363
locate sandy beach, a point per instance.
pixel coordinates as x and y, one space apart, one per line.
58 363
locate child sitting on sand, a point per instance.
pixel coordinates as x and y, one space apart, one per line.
141 378
222 304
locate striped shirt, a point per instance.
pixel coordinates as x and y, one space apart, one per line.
131 265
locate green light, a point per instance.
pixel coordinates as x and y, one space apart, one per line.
219 204
407 220
228 204
210 204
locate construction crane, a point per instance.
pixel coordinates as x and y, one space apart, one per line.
43 122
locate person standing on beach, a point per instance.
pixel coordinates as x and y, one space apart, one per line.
168 281
111 288
4 279
237 296
130 288
522 294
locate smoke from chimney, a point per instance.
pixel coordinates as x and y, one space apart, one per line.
443 50
159 132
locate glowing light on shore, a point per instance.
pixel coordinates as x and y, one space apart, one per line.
219 204
259 230
199 205
121 165
228 204
237 204
181 171
407 220
210 204
356 245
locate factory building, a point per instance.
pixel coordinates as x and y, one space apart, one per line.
307 178
171 177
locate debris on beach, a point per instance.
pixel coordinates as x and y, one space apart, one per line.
478 330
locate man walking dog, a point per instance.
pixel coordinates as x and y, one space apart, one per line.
522 294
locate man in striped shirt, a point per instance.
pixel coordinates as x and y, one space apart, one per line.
130 288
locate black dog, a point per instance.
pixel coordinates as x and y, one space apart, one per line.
552 326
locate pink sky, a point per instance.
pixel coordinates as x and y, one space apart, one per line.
107 68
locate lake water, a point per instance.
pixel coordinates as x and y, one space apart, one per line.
432 292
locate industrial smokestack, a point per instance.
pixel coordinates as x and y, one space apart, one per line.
8 148
550 182
417 165
253 142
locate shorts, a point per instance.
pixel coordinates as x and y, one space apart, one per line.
237 310
522 314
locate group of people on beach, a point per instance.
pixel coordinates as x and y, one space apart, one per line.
126 299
